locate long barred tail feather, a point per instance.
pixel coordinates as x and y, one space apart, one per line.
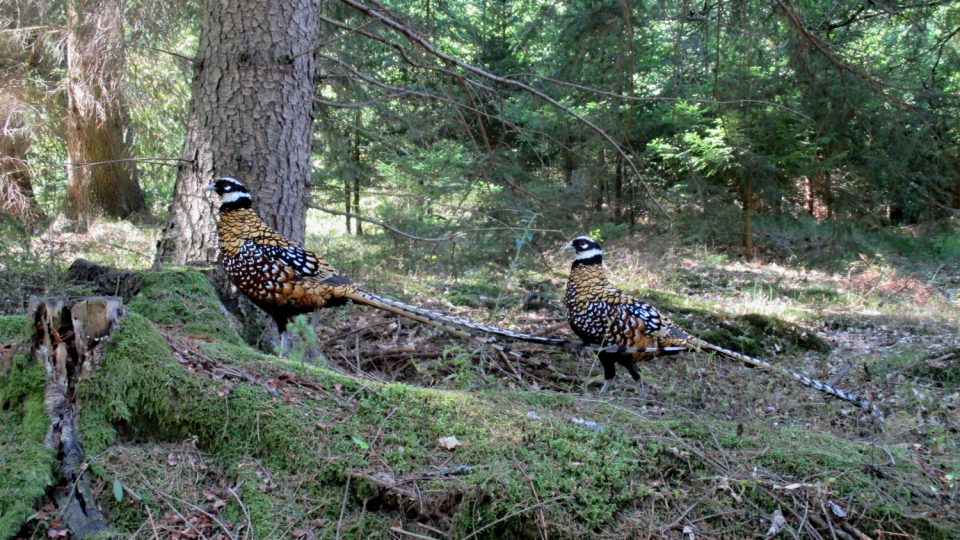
461 327
405 310
455 325
446 321
805 380
618 349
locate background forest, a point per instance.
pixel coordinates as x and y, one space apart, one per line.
783 127
781 175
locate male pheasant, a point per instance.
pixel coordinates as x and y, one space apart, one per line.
601 314
285 279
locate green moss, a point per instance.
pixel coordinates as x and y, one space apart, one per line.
183 297
588 471
811 452
12 327
26 465
586 478
537 400
140 384
589 476
266 510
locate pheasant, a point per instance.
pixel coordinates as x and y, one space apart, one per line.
285 280
601 314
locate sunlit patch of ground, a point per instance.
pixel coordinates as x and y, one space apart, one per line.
112 243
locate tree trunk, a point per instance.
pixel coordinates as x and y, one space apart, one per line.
102 179
828 193
955 200
356 171
251 118
748 215
601 187
625 66
356 204
16 192
347 201
618 191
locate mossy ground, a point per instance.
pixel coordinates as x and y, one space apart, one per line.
206 435
194 423
26 465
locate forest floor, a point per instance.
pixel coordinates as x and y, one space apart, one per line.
349 436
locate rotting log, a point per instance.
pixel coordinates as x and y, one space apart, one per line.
69 338
106 279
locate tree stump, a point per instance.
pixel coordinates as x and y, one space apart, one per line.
70 337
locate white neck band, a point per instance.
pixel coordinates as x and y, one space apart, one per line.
589 254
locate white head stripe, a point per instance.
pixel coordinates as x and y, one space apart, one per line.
236 196
589 253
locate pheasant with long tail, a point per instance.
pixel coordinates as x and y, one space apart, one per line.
602 314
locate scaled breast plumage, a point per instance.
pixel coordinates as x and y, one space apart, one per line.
270 268
600 313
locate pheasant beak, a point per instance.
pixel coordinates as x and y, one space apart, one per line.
211 186
568 245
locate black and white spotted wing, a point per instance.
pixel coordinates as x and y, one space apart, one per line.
303 262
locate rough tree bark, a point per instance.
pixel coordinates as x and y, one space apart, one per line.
102 178
16 191
251 117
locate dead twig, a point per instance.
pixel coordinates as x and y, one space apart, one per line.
519 465
246 514
676 523
846 526
835 380
401 531
212 517
181 516
514 514
193 358
343 506
153 526
943 358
